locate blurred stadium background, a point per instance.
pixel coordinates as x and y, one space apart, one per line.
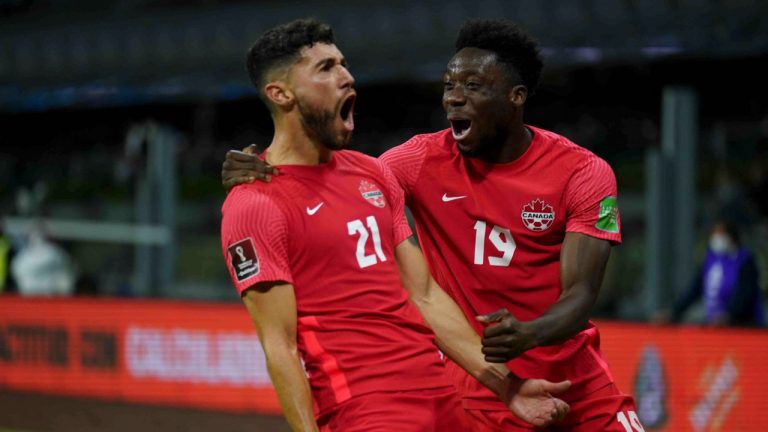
115 116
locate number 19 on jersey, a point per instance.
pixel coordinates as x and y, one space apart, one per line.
500 238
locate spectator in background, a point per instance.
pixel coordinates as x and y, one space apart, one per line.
41 268
728 282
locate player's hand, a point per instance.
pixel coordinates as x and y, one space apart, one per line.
505 337
244 167
531 400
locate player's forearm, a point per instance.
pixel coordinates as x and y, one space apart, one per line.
460 343
582 265
291 385
566 318
455 336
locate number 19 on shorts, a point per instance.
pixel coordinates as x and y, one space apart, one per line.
630 421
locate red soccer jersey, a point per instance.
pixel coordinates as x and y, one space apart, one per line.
492 233
331 230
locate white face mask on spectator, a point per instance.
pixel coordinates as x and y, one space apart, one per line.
721 244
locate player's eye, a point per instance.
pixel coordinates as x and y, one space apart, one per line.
447 85
326 65
473 85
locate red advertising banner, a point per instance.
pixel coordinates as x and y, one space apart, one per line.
186 354
208 356
691 379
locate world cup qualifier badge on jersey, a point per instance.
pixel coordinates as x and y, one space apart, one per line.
372 193
242 256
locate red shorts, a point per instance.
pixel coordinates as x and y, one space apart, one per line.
605 410
407 411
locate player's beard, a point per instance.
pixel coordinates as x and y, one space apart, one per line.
319 125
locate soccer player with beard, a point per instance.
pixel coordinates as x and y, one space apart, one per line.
516 223
320 259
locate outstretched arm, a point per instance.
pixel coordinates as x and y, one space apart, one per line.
528 399
272 307
582 265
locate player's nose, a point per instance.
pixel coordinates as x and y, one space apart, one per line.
345 78
454 97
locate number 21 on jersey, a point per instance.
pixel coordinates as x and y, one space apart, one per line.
356 227
500 238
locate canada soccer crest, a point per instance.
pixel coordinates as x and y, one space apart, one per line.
538 215
372 193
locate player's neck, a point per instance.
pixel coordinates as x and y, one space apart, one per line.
515 144
292 146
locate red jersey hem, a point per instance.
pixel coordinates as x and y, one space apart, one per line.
424 384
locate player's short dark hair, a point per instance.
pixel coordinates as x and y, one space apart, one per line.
280 46
513 47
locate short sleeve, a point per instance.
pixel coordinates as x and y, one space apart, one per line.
406 160
400 228
254 239
592 201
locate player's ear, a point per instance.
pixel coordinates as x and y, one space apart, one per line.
518 95
279 94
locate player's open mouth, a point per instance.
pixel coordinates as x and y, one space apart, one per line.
460 128
347 111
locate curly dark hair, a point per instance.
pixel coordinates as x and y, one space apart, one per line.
280 46
513 47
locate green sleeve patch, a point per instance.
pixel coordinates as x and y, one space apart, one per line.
608 218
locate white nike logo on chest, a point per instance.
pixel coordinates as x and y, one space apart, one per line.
447 198
313 210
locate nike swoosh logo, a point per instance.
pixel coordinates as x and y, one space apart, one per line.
313 210
446 198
